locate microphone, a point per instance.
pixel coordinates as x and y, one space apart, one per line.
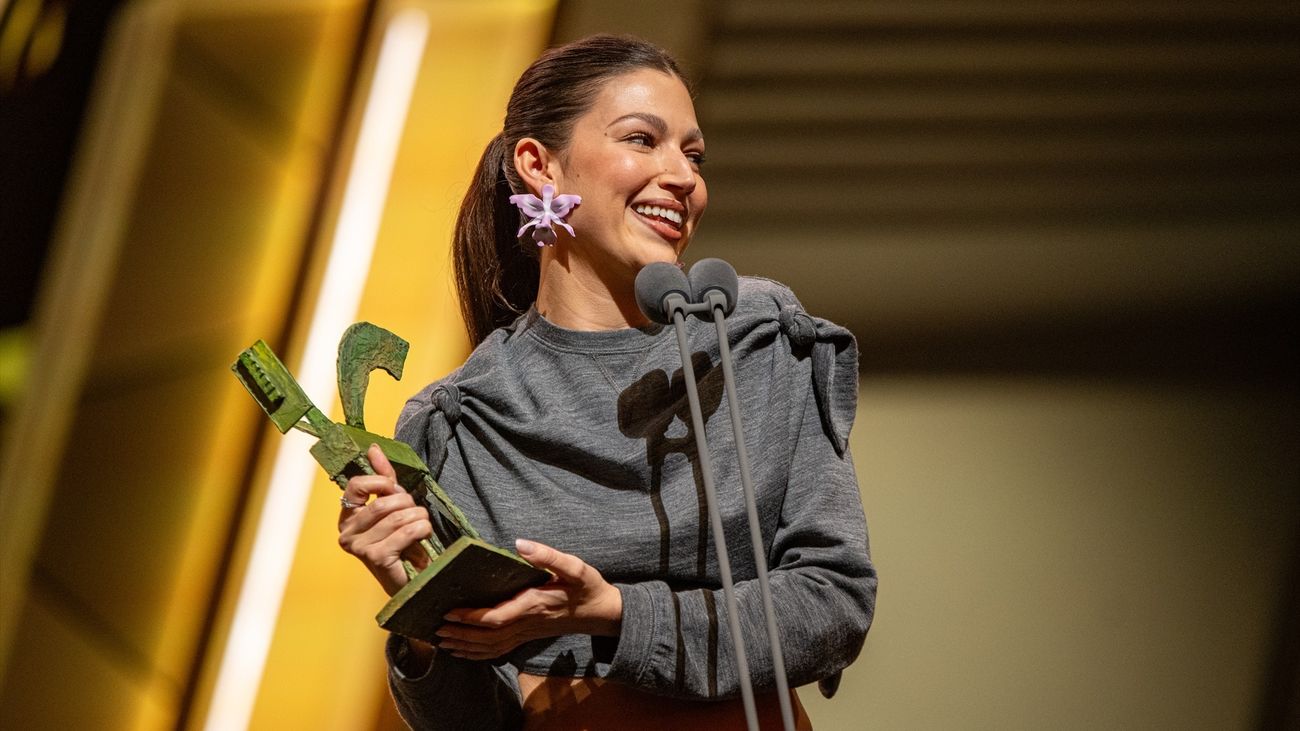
714 282
714 285
661 290
666 295
663 294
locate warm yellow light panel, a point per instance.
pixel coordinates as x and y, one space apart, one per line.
179 242
325 668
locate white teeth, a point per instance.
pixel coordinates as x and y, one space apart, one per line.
665 213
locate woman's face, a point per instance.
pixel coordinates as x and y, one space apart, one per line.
635 159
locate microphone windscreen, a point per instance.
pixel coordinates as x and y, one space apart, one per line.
654 283
714 275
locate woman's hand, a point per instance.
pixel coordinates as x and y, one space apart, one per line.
577 601
383 531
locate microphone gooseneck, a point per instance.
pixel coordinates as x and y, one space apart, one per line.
714 282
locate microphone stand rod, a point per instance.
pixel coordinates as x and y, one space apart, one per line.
718 307
715 517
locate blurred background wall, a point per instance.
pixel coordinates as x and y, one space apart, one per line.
1064 234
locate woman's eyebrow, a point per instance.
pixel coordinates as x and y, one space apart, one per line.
659 125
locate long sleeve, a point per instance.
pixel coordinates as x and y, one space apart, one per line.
823 584
455 694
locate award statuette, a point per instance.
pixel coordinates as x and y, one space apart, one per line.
464 570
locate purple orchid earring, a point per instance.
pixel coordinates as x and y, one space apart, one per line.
550 209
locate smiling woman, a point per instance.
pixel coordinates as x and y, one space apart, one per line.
562 435
634 158
610 120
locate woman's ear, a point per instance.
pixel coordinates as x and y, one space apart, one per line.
534 164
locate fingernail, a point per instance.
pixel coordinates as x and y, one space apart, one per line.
452 617
523 545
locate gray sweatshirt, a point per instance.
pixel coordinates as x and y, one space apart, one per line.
582 441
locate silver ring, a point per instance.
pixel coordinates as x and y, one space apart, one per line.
343 500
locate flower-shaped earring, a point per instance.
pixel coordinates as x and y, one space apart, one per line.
549 209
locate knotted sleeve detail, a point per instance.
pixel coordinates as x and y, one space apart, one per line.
426 424
446 398
834 353
798 326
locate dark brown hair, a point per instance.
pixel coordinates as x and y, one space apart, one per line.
496 273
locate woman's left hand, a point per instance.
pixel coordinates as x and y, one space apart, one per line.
577 601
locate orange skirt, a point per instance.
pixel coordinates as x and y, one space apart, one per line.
569 704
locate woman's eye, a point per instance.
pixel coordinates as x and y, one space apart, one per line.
696 158
640 138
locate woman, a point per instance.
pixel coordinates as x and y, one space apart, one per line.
565 435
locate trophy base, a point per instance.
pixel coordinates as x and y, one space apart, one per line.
470 573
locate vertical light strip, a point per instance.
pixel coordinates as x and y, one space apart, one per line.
294 472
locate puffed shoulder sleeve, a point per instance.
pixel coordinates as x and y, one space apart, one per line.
427 420
834 353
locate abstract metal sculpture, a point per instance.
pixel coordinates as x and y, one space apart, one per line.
464 570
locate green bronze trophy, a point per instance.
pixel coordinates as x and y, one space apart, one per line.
464 570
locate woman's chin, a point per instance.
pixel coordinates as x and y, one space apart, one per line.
661 250
635 254
643 262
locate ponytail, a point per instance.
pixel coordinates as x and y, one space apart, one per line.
496 276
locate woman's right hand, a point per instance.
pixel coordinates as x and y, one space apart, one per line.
383 531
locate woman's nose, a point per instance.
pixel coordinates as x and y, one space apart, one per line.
678 173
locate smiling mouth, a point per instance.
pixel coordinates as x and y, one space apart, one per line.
665 221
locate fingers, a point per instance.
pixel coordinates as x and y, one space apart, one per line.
379 462
380 532
415 553
572 575
387 538
475 652
526 602
360 488
478 643
482 634
579 601
473 643
565 566
365 517
382 545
